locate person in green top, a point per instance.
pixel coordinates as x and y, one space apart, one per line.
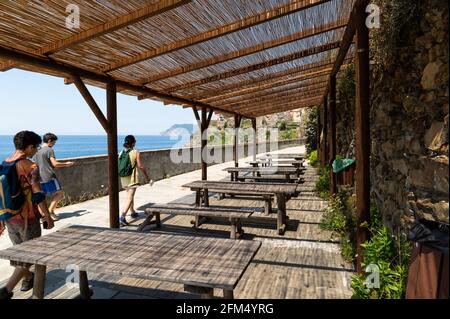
131 182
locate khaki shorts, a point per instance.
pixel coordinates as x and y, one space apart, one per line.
18 235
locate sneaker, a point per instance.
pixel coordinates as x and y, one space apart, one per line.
134 215
27 283
54 216
5 294
123 221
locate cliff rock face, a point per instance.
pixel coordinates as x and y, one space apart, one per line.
409 122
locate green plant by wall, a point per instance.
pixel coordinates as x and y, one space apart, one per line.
391 255
323 182
339 218
311 130
313 158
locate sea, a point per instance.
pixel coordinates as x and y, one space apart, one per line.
71 146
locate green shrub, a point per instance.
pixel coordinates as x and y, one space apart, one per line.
312 158
391 255
334 217
323 182
311 130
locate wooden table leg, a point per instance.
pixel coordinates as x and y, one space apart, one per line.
146 222
39 281
281 220
206 197
158 220
233 228
267 205
198 198
204 292
228 294
85 292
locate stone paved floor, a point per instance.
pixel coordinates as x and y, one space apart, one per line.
304 263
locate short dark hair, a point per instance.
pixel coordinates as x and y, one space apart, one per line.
129 141
50 137
24 139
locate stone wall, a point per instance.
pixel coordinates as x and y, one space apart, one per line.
88 178
409 120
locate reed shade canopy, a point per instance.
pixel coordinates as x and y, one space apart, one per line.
245 57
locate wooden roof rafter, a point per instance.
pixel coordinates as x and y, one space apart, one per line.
294 84
299 87
249 50
255 82
254 67
293 7
268 103
149 10
283 107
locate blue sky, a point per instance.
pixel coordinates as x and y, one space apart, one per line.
42 103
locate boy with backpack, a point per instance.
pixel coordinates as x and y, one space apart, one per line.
22 204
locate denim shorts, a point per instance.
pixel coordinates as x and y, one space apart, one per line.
18 234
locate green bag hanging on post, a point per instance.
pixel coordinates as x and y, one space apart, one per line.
341 164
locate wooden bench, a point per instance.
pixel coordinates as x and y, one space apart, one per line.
270 178
233 214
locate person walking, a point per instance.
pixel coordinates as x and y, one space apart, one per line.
46 160
24 225
129 163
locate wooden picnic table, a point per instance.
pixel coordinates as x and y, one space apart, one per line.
200 263
287 171
280 162
283 193
284 156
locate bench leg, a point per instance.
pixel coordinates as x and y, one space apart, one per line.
158 220
228 294
198 198
233 229
206 198
267 205
239 229
146 222
39 281
281 222
204 292
85 292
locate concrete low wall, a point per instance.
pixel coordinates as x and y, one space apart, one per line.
88 178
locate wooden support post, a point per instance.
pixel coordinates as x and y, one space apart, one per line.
325 132
255 139
362 127
237 124
332 112
204 144
319 129
113 166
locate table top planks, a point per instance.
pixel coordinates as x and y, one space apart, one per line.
272 188
265 170
283 156
199 261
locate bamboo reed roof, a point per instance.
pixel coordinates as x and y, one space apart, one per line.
247 57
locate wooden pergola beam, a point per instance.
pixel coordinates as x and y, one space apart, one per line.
280 99
147 11
69 71
255 67
279 103
267 79
258 88
284 108
295 6
263 95
304 34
